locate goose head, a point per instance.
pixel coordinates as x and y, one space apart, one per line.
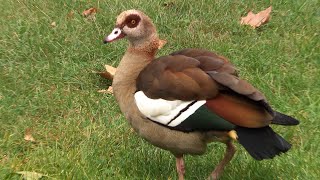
135 26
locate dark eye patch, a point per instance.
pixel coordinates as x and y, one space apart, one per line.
132 21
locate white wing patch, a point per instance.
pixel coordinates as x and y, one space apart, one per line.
170 113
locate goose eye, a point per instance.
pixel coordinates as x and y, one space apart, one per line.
132 21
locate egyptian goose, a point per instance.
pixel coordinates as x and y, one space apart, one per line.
185 100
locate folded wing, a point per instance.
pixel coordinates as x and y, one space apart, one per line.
194 74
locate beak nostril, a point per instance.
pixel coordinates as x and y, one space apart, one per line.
115 34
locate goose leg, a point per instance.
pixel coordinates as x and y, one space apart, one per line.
180 167
226 159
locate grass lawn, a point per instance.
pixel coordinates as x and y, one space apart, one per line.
47 85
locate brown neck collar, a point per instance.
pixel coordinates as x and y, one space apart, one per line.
149 47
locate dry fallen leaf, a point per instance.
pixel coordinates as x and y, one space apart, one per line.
53 24
106 91
256 20
28 135
90 13
162 43
102 91
168 4
108 73
27 175
110 90
110 69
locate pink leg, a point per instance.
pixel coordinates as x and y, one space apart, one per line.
226 159
180 167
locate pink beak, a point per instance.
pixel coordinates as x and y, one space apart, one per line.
114 35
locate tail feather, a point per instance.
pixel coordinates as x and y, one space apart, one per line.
262 143
282 119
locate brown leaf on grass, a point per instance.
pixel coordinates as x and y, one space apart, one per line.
110 69
256 20
162 43
168 4
89 12
105 75
53 24
106 91
108 73
27 175
28 135
110 90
